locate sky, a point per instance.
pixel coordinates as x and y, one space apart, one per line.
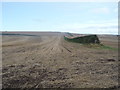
74 17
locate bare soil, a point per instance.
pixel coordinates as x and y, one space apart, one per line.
48 61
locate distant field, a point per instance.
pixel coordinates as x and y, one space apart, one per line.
46 60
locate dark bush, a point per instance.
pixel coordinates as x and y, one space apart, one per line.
84 39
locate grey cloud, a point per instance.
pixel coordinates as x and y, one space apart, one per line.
102 27
38 20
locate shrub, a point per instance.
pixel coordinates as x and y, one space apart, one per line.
84 39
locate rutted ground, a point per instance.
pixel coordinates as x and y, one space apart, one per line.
48 61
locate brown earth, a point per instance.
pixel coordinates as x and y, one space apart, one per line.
48 61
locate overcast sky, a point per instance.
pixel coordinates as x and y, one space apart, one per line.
76 17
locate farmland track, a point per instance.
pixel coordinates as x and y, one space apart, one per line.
48 61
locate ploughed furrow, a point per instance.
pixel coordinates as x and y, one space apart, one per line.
49 61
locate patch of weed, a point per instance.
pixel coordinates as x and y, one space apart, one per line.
100 46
